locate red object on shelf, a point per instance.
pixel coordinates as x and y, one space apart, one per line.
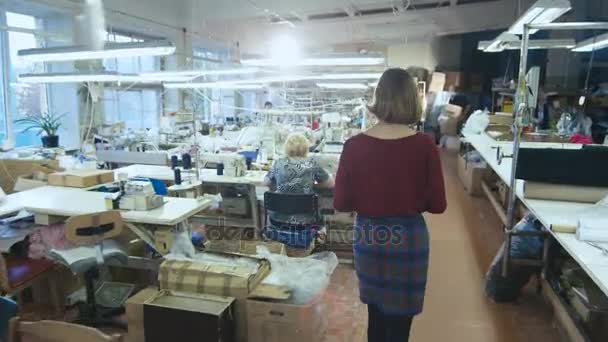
580 139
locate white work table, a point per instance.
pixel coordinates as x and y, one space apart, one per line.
62 201
165 173
591 259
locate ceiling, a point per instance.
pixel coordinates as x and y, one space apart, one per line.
325 24
317 25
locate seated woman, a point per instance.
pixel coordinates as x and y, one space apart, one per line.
296 173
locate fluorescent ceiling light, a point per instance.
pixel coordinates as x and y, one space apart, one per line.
111 50
78 77
279 79
499 44
213 85
357 86
361 76
187 75
532 45
593 43
542 12
331 61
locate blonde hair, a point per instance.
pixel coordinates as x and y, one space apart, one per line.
396 98
296 145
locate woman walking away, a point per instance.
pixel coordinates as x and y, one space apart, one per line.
390 175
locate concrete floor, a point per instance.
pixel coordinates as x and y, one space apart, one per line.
464 241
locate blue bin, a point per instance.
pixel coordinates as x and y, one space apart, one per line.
251 155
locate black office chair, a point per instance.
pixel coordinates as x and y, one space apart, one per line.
92 230
290 204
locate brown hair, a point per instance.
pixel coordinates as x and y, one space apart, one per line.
396 98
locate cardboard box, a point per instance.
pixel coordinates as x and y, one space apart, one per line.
219 280
449 120
13 168
188 318
471 176
437 83
243 246
81 178
212 278
135 314
279 322
454 80
37 178
163 240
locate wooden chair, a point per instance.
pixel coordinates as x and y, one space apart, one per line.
56 331
19 273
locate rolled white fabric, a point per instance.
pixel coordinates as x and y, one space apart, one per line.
592 229
593 223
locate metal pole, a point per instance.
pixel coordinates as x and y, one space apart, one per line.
520 111
197 153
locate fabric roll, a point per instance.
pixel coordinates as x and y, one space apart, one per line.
593 229
567 193
592 235
593 223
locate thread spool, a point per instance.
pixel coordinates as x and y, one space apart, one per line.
187 161
177 174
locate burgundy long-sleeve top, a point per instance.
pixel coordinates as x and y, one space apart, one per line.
390 178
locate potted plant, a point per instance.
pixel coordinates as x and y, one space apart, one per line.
47 123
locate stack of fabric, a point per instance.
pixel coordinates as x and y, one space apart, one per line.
592 229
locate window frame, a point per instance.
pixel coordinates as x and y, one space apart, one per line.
5 65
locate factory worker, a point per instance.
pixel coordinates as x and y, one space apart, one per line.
390 175
296 173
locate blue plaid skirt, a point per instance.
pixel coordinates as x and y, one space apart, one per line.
391 260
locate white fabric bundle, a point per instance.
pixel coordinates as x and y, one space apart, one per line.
593 229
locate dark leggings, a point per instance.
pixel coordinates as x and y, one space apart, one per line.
387 328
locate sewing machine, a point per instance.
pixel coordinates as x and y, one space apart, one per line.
139 195
234 164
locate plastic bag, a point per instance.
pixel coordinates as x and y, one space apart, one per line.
477 123
475 159
306 277
182 245
507 289
527 246
216 200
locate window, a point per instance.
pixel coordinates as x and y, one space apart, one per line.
25 99
213 104
138 108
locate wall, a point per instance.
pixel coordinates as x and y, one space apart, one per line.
444 52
